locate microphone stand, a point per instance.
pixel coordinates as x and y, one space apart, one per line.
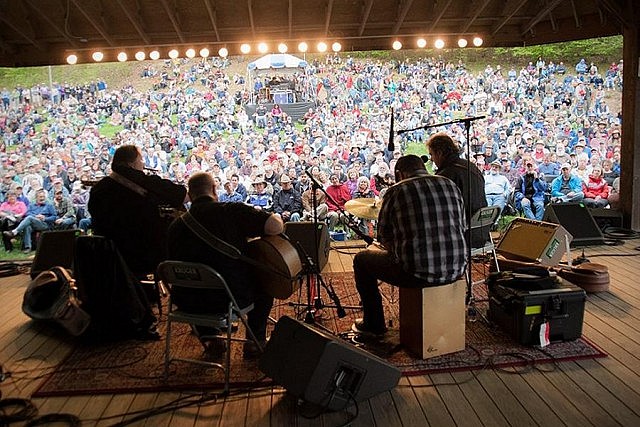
312 270
469 299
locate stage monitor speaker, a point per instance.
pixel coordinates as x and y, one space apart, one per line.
54 248
577 219
322 370
303 232
531 240
607 218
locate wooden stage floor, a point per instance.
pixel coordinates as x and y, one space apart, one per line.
601 392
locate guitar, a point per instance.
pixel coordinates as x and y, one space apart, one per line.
281 274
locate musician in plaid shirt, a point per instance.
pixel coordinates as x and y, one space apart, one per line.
421 234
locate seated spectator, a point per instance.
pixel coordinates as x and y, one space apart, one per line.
496 186
596 190
12 211
260 200
287 203
614 194
529 193
608 173
339 195
566 187
548 167
364 192
39 217
65 213
230 195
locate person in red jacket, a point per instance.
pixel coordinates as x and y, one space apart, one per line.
340 195
596 189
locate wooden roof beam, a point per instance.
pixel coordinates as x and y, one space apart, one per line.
18 29
478 11
365 16
211 10
73 42
510 9
173 18
99 28
327 18
575 14
439 14
544 12
250 8
290 13
134 21
406 5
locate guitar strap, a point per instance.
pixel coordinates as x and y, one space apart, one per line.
128 183
221 246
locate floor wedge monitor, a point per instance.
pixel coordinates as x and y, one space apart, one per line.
577 219
54 248
321 369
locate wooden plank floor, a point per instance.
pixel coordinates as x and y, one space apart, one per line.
602 392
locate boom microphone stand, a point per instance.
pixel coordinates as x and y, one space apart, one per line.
467 125
312 270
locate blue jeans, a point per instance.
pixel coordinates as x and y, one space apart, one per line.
538 206
28 226
496 200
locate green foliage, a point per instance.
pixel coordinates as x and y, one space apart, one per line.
110 130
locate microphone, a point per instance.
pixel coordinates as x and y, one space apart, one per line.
391 147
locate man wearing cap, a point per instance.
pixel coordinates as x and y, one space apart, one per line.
566 187
529 193
287 203
496 186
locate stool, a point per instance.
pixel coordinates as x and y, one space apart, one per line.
432 319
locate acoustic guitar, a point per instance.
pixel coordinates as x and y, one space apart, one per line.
282 265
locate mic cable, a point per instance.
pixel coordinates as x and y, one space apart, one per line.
391 146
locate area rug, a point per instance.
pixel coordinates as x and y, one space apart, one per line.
134 366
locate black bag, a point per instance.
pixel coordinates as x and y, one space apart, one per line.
51 295
112 295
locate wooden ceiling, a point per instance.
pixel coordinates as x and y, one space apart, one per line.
42 32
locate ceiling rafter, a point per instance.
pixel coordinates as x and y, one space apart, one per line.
406 5
544 12
53 25
253 27
327 19
615 10
478 11
134 21
510 9
99 28
290 13
365 16
211 10
172 17
439 14
575 14
19 30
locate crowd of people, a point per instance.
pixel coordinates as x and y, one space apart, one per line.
549 135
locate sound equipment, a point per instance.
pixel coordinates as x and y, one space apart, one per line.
606 217
322 370
577 219
54 248
531 240
303 232
281 278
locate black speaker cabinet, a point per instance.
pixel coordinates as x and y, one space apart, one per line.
322 370
303 232
577 219
607 217
54 248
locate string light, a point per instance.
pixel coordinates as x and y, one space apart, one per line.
245 48
72 59
336 47
421 43
140 55
477 41
462 42
154 55
439 44
204 52
322 47
122 57
97 56
173 54
397 45
190 53
303 47
263 48
223 52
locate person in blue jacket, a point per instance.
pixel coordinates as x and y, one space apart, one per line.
566 187
530 192
39 217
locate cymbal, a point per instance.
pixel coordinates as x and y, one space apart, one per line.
363 208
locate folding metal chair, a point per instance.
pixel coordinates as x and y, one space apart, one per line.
189 275
484 219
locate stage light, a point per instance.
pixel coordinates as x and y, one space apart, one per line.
397 45
223 52
439 44
154 55
204 52
462 42
190 53
72 59
97 56
173 54
422 43
336 47
322 47
122 56
263 48
477 41
245 48
140 55
303 47
282 48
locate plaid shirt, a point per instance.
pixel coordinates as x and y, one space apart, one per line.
422 223
64 208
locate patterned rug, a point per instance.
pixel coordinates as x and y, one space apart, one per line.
134 366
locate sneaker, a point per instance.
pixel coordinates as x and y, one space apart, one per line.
250 350
10 234
360 327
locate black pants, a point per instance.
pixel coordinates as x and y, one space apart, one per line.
5 225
